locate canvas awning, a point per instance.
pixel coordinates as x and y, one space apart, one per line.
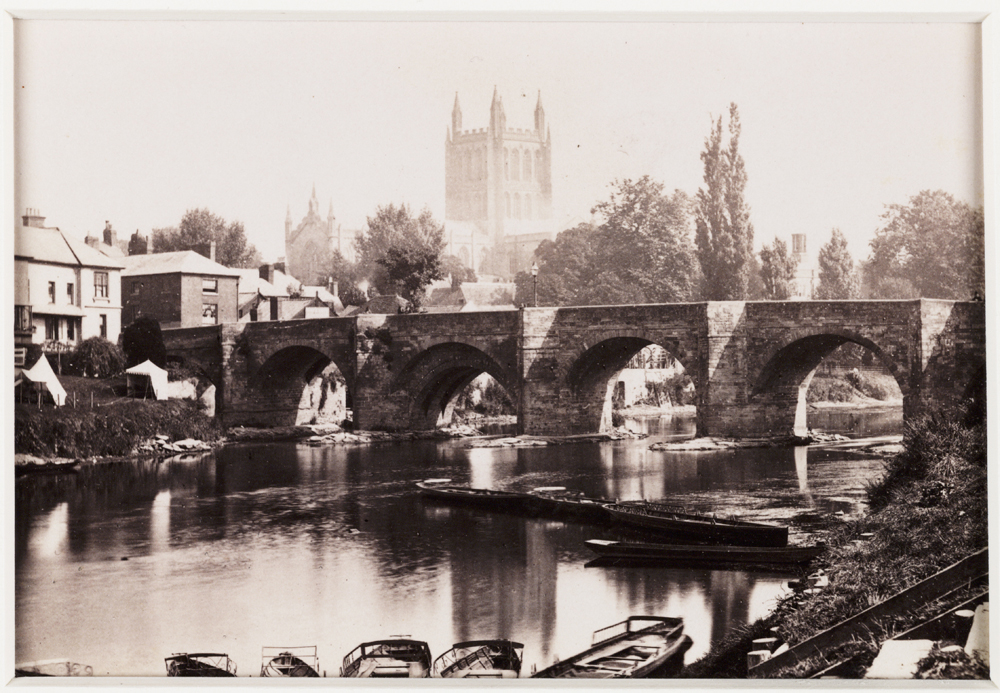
42 373
146 378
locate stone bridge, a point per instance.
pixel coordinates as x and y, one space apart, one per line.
751 362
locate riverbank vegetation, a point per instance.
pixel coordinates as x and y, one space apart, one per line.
927 511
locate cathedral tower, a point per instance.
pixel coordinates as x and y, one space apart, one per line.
498 190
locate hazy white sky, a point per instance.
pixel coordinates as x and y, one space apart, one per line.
137 121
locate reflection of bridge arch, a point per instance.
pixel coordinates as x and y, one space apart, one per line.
595 366
788 370
433 379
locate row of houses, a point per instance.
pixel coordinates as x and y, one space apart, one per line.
68 290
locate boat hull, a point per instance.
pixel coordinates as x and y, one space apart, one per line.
394 658
677 553
487 499
681 526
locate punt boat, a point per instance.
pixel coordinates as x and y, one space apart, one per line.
639 647
398 658
722 555
669 521
480 659
295 662
200 664
441 489
558 501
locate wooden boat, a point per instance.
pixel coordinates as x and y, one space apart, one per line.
639 647
441 489
671 522
392 658
200 664
480 659
558 501
294 662
678 553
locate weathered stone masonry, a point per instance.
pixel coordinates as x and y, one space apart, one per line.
751 362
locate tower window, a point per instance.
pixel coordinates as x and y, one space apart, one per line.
517 206
798 243
506 165
507 199
516 164
527 166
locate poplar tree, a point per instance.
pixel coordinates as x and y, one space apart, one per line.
723 231
777 270
837 279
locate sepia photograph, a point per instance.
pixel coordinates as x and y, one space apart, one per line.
498 347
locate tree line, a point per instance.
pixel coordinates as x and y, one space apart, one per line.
648 245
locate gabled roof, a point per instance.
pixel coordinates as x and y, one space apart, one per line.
252 283
52 245
183 261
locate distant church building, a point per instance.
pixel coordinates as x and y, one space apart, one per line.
310 245
498 191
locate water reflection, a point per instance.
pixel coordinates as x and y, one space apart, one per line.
120 565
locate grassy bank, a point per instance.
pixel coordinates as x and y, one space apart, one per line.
113 428
927 511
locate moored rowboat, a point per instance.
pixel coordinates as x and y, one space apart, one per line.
396 658
296 662
639 647
480 659
557 501
678 525
441 489
209 664
677 553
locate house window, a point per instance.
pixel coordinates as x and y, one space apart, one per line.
100 285
209 314
210 286
104 323
52 292
51 329
136 286
70 294
22 318
71 329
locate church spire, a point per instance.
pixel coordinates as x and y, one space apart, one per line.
456 116
498 121
313 202
539 114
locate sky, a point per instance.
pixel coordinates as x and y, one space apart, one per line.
136 122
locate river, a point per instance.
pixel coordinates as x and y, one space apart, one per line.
118 566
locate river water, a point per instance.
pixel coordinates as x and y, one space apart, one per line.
283 544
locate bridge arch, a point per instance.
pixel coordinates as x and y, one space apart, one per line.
595 366
788 369
280 382
432 380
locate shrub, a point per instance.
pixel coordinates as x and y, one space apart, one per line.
143 340
98 358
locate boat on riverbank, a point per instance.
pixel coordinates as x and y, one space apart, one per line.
397 658
713 555
480 659
489 499
295 662
638 647
559 502
676 524
200 664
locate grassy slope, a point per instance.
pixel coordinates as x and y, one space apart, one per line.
927 512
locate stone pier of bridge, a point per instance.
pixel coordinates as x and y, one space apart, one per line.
751 362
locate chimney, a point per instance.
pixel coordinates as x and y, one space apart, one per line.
137 245
280 265
267 272
206 250
33 218
211 251
110 235
92 241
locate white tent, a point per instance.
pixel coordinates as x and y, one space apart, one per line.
42 373
145 377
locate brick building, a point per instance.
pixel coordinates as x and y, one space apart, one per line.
179 289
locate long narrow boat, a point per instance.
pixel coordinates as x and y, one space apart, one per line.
480 659
211 664
639 647
296 662
559 502
441 489
396 658
679 525
723 555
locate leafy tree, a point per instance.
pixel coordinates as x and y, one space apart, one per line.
401 252
452 265
347 275
143 340
98 358
931 247
777 270
198 228
837 279
641 253
724 234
